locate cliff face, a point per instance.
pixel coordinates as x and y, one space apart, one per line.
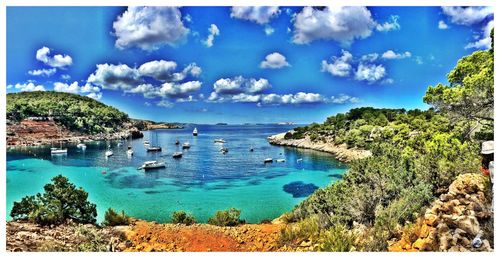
454 220
341 152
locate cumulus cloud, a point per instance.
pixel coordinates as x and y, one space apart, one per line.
147 90
149 28
392 24
274 61
369 72
87 89
43 72
239 84
30 86
342 24
467 15
340 66
389 54
485 41
370 57
212 32
343 98
268 30
442 25
158 69
57 61
182 90
115 77
65 76
164 103
192 70
257 14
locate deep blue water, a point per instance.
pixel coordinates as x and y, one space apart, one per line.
203 181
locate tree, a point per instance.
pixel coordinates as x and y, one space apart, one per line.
60 201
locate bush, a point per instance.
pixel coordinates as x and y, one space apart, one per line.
61 201
111 218
181 217
294 234
224 218
336 239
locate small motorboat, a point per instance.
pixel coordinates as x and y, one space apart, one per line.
195 132
130 152
58 151
280 160
219 141
177 142
268 160
152 164
224 150
119 144
146 142
153 148
299 160
186 145
81 146
177 155
108 153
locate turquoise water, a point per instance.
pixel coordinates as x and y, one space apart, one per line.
202 182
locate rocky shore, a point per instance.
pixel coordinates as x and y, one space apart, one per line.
341 152
36 133
454 220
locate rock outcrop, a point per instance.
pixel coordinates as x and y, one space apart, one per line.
460 220
341 152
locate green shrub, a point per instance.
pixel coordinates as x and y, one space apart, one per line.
224 218
295 233
181 217
111 218
336 239
91 240
61 201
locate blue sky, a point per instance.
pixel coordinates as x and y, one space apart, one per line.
245 64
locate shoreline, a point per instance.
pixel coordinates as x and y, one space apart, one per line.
340 152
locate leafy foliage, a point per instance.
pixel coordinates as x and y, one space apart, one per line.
75 112
225 218
181 217
112 218
60 201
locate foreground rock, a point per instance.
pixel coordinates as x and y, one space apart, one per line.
341 152
29 237
454 220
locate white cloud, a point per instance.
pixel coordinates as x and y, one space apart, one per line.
58 61
87 89
485 41
390 25
164 103
340 66
442 25
95 95
149 28
370 57
65 76
369 72
192 70
343 98
342 24
158 69
257 14
174 90
268 30
115 77
239 84
147 90
274 61
43 72
30 86
212 32
389 54
419 60
467 15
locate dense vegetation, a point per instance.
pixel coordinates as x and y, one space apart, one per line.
112 218
181 217
226 218
416 155
60 202
75 112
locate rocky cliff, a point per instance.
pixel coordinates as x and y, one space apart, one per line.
460 220
341 152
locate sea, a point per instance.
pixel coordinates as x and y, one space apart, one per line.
202 182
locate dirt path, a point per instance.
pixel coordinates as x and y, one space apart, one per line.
147 236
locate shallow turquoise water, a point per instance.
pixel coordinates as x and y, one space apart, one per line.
202 182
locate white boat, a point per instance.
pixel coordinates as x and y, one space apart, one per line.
280 160
146 142
186 145
108 153
268 160
219 141
224 150
195 132
177 155
152 164
153 148
58 151
299 160
81 146
130 152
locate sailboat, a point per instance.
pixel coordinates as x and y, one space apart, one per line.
152 164
195 132
130 152
60 150
152 147
109 152
81 145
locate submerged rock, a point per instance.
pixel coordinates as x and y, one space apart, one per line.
299 189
